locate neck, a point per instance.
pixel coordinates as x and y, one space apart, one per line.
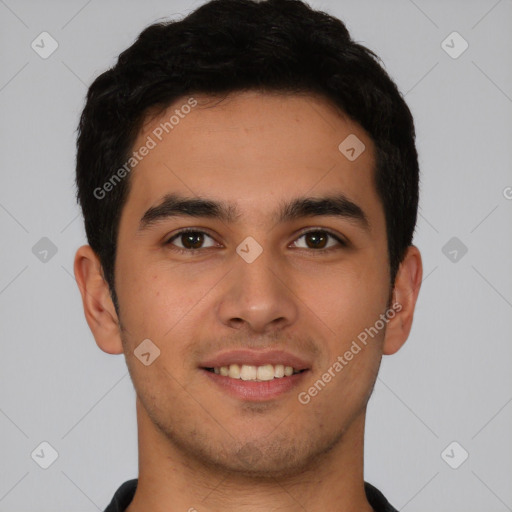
170 481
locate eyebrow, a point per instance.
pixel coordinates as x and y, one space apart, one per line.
174 205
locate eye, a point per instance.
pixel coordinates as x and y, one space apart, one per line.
320 240
190 240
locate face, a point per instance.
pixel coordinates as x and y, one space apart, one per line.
287 268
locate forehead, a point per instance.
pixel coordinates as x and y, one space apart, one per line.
252 149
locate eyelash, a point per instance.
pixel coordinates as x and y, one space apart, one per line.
179 250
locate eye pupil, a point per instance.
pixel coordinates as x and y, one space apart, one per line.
192 240
318 239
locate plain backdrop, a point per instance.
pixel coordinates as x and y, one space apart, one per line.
451 382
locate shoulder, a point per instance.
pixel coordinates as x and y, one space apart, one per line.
123 496
377 500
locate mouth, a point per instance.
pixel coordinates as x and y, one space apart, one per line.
249 372
255 376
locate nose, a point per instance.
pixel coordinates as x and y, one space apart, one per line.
258 296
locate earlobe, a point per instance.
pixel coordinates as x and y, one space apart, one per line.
405 294
98 306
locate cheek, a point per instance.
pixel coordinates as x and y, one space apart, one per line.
162 300
349 295
147 299
344 304
350 305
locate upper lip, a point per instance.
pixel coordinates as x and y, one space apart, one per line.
255 358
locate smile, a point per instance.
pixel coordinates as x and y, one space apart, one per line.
249 372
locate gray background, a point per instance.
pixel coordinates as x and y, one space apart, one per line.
450 382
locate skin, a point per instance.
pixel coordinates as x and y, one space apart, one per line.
199 448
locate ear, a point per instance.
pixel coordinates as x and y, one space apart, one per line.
99 309
405 292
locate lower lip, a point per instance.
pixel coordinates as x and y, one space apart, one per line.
256 391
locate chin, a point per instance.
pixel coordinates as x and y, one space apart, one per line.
281 458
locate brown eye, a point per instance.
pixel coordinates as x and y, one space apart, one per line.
316 239
319 239
190 240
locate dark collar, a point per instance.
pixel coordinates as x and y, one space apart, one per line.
124 495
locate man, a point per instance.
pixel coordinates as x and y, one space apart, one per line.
249 183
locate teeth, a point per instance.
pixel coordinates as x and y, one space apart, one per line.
248 372
255 373
279 371
265 372
234 371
